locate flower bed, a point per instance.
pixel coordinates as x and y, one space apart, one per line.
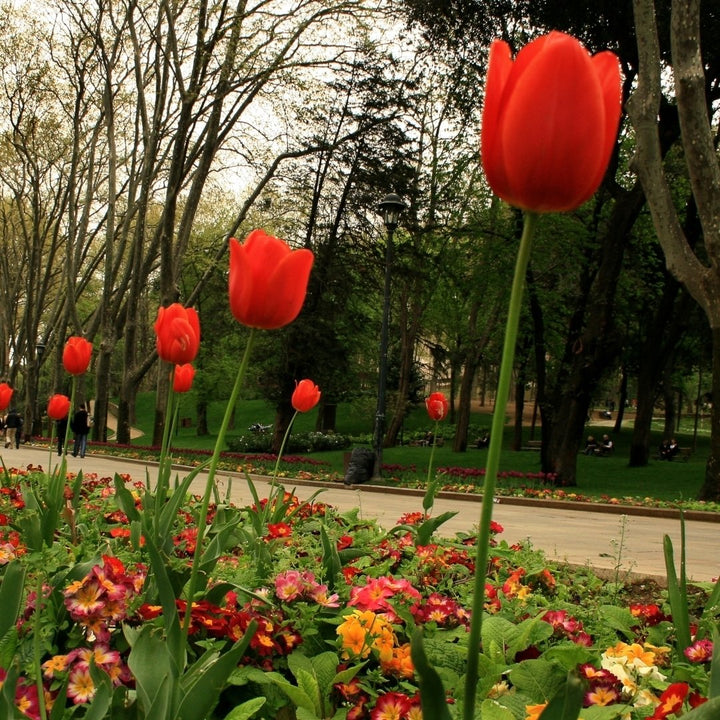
326 606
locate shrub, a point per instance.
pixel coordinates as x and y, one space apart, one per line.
297 442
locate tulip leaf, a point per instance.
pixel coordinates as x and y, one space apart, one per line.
567 703
152 667
426 530
11 595
103 694
714 688
677 595
432 692
203 682
331 563
709 710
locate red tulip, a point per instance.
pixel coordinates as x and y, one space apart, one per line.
268 280
549 122
306 396
437 406
183 380
76 355
6 393
58 407
178 334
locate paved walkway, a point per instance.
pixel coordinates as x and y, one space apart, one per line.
604 538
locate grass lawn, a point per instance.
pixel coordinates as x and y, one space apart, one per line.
597 476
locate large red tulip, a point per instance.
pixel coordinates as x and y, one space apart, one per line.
183 379
306 396
6 393
437 406
268 280
178 334
76 355
58 407
549 122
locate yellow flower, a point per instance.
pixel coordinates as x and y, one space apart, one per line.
534 711
365 631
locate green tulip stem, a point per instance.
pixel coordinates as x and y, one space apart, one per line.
164 465
38 650
273 482
219 445
430 485
493 461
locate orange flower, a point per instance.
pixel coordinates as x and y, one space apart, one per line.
437 406
183 379
268 280
76 355
549 122
178 334
306 396
6 393
58 407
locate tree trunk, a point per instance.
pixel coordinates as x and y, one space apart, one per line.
519 413
710 489
646 396
201 409
327 417
283 415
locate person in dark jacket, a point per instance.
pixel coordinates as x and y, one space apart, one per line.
81 427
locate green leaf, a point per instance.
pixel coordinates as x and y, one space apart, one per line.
567 703
491 710
432 692
201 690
246 710
714 686
538 678
11 595
103 694
707 711
427 529
677 595
297 696
151 664
332 566
620 619
498 635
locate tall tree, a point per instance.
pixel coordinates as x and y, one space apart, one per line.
695 72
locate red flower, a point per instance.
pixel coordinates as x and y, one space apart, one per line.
6 393
268 280
58 407
670 701
178 334
76 355
306 396
437 406
549 122
183 380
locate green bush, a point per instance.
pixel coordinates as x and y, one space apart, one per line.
302 442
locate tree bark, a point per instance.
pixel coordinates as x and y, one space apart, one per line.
700 277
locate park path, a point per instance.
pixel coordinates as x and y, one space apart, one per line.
607 539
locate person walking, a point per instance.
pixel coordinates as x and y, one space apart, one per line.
61 429
13 424
80 426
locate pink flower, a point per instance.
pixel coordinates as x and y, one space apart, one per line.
700 651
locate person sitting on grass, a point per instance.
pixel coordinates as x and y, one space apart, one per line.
590 445
606 446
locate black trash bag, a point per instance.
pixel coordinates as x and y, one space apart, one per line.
360 467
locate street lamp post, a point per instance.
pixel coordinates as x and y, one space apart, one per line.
390 208
36 428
